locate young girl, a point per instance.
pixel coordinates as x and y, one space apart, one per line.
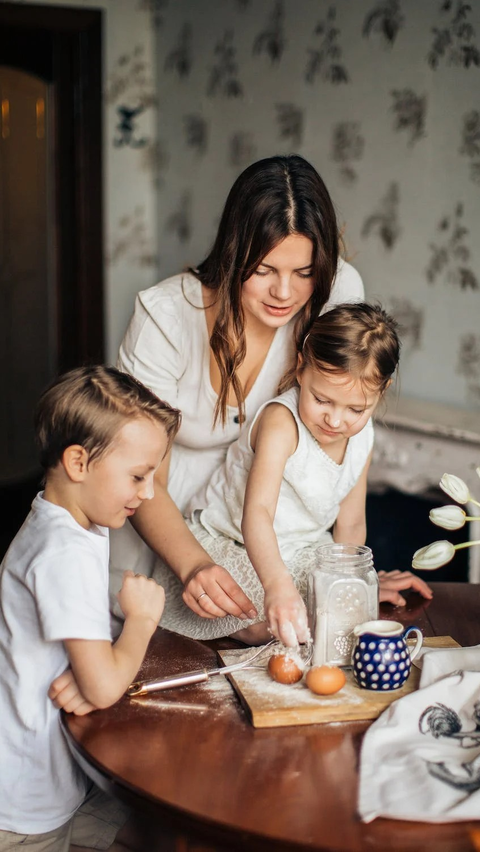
298 472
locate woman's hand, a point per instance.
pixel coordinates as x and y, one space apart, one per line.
285 612
211 592
65 694
393 582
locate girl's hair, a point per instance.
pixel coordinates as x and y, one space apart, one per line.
359 339
88 406
270 200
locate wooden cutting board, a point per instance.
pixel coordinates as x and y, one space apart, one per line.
269 704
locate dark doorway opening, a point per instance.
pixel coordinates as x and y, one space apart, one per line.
51 223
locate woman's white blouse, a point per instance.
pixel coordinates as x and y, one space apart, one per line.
166 347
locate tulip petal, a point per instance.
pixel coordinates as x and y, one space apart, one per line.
455 487
433 556
448 517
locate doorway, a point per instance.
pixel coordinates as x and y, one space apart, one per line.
51 239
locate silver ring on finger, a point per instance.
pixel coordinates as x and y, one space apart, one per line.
204 594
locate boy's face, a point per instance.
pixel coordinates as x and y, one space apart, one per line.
116 484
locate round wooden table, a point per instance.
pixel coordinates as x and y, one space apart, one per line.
190 756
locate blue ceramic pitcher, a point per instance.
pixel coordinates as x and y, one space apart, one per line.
381 658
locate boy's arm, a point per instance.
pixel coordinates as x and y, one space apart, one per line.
104 671
274 439
351 526
65 694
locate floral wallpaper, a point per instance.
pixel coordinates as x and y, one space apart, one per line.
382 97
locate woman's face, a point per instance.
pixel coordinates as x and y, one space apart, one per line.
282 283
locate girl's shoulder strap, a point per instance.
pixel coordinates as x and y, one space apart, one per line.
289 399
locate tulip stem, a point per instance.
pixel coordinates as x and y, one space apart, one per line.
465 544
471 500
473 518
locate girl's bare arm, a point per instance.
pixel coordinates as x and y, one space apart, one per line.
274 439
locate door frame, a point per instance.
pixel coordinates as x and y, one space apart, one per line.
64 47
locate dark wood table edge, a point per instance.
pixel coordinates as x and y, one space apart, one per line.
231 836
173 817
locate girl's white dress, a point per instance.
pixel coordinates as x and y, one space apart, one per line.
311 492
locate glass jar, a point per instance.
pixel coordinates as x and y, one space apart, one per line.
342 592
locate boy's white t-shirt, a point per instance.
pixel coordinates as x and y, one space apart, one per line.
53 586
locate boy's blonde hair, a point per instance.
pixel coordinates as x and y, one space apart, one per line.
88 406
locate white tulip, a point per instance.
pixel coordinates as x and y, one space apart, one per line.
455 487
448 517
433 556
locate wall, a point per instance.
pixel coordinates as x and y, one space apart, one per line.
131 252
382 97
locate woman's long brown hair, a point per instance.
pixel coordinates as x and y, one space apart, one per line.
270 200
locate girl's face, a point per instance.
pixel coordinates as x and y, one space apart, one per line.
282 283
334 406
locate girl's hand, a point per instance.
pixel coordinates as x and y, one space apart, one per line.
211 592
141 596
65 694
285 613
393 582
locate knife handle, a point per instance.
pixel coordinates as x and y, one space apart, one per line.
144 687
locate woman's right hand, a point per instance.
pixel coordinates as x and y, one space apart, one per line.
211 592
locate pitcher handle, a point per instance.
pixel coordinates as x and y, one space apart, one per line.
416 650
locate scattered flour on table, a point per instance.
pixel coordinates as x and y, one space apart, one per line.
255 682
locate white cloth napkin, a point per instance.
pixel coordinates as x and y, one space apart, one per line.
420 759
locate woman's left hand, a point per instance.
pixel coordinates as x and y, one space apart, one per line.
65 694
211 592
393 582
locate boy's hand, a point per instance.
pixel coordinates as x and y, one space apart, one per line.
391 583
285 613
141 597
65 695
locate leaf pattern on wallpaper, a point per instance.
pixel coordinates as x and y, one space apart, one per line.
271 40
241 149
126 129
290 120
347 147
468 364
131 81
155 8
154 159
224 74
180 59
179 222
410 320
410 111
326 59
455 41
470 146
384 221
450 257
132 243
196 132
385 18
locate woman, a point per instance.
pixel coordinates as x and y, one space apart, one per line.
215 342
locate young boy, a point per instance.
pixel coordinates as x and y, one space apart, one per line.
102 435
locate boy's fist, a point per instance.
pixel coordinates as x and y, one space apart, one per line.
141 596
